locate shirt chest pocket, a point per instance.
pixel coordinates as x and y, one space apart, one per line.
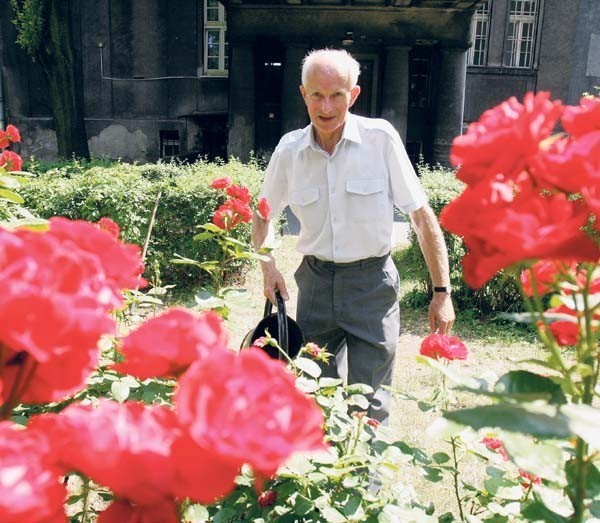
366 199
307 207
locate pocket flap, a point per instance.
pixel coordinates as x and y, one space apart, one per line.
364 186
304 196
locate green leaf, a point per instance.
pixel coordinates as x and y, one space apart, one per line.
325 383
359 388
235 241
195 514
10 181
353 508
501 487
119 391
203 236
309 367
537 511
542 458
554 500
359 400
11 196
331 515
212 227
432 474
525 383
440 457
584 421
224 515
539 420
302 505
457 377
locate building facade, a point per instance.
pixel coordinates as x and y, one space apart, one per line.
198 77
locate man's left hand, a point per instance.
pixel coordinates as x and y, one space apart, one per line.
441 313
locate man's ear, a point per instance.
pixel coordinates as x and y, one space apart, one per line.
303 92
354 92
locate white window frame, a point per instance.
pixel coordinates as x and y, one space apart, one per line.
480 35
219 26
521 36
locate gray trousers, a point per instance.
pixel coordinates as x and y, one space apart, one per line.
353 305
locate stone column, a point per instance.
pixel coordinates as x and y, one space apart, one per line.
394 102
450 102
241 101
293 110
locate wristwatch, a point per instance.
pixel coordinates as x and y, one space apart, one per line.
446 288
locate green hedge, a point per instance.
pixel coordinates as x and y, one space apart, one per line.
126 193
500 294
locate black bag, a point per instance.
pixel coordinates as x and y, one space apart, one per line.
281 327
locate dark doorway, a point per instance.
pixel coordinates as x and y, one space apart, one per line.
364 105
419 139
269 76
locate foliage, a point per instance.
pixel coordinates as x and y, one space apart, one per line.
499 295
126 193
29 21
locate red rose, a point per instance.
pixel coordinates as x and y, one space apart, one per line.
499 230
31 489
264 209
583 118
496 445
11 161
267 498
246 408
201 474
122 262
51 344
546 274
239 193
12 133
529 479
4 141
241 209
232 213
221 183
443 346
566 333
123 446
111 227
505 139
123 512
168 344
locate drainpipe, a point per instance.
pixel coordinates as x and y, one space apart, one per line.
2 122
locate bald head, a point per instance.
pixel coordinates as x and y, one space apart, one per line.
332 60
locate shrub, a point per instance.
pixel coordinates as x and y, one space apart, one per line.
500 294
127 193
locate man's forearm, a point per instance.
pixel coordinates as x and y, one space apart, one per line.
433 246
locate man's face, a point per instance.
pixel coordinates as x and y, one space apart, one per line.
328 96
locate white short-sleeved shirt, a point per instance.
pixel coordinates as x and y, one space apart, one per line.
344 201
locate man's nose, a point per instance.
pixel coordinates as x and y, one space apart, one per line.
326 106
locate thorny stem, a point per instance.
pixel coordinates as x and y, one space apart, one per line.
578 498
455 474
354 441
86 499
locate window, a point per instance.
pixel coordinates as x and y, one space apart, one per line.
215 38
520 37
169 143
479 35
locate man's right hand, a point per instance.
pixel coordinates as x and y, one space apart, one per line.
273 280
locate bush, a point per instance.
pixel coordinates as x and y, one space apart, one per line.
127 193
501 294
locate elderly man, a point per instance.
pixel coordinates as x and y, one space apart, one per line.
342 175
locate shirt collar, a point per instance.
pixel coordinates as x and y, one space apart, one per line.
351 132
